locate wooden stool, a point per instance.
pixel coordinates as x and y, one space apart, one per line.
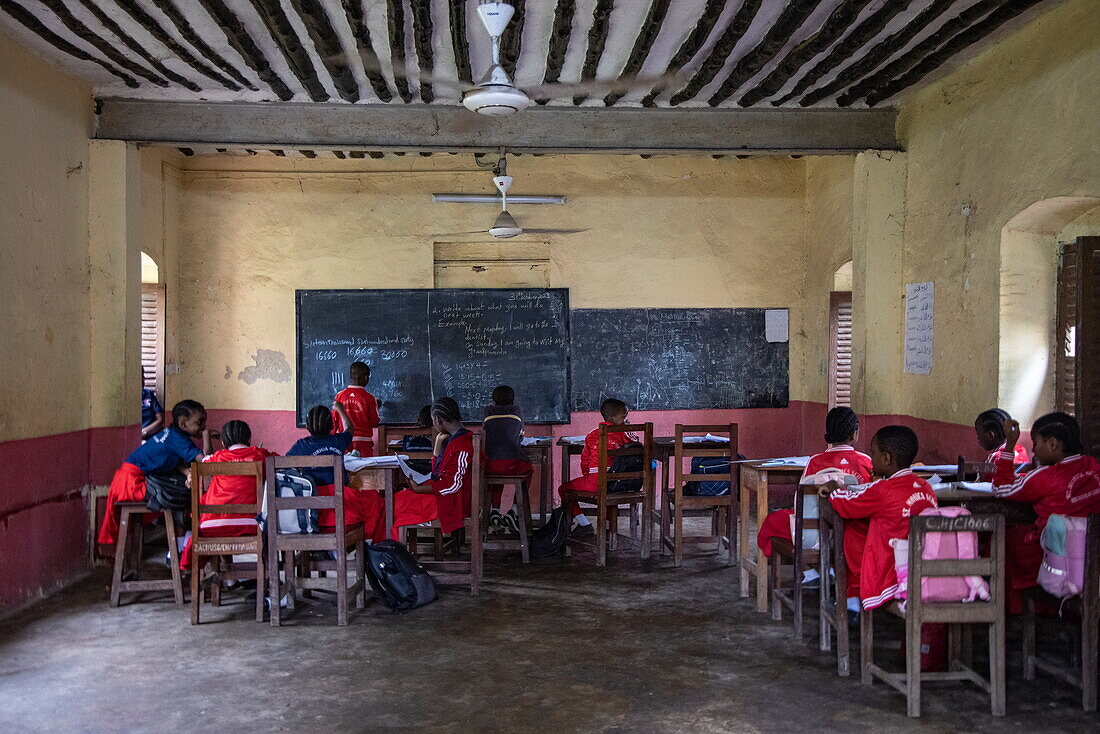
130 544
522 501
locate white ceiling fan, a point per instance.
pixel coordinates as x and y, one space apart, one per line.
505 226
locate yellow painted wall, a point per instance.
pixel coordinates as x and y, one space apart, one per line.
685 231
44 126
1017 125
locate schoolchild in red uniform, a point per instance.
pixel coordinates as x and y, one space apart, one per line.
171 450
990 428
447 496
361 407
879 512
614 413
1065 483
841 432
365 506
502 429
236 436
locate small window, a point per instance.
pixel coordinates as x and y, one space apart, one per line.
840 348
1065 357
152 337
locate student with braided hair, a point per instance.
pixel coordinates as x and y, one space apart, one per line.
1066 482
989 425
236 436
365 506
447 496
841 431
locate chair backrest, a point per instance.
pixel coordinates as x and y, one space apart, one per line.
204 471
989 566
727 451
275 503
391 432
969 470
607 456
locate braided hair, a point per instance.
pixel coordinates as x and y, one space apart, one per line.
840 424
446 409
993 420
1062 427
185 409
319 421
236 432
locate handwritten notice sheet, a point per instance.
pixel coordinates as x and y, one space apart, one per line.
919 299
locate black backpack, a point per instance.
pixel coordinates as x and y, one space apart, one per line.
710 465
623 464
169 491
398 579
548 540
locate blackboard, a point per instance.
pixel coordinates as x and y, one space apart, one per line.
424 344
676 358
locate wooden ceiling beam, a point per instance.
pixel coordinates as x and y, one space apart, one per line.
34 25
243 44
230 78
560 33
597 39
718 56
278 25
840 20
422 41
643 43
535 130
357 21
878 53
749 65
691 45
459 41
511 43
327 44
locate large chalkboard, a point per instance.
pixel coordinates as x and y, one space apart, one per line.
423 344
676 358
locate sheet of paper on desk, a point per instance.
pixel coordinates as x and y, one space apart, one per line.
936 468
356 463
787 461
535 440
411 473
573 439
709 438
977 486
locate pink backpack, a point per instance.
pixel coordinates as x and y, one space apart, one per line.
1063 571
942 547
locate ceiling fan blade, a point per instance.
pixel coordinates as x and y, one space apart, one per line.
457 234
622 85
553 231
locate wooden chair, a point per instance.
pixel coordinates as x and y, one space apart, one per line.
955 614
971 471
131 540
799 557
471 531
296 569
607 504
1084 609
675 505
522 503
215 548
387 433
832 605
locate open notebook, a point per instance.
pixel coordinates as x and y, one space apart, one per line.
354 463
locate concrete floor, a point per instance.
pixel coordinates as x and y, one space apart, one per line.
555 647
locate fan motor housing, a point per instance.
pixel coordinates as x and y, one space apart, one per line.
495 100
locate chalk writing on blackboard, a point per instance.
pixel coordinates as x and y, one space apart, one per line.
919 311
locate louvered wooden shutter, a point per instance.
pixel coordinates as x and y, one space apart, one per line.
152 336
1088 342
840 348
1065 381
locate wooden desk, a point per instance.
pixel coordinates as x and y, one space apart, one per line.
386 480
754 482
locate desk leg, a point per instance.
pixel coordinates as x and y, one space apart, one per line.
391 487
564 464
749 478
546 494
761 565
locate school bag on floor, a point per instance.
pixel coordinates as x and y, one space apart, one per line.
709 465
1062 573
292 483
398 579
942 547
548 540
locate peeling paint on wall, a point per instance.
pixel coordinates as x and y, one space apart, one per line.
269 365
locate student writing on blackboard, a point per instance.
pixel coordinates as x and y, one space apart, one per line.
614 413
365 506
361 407
502 428
447 496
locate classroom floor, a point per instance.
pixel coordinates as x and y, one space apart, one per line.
558 646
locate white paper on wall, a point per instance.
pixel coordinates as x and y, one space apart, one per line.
919 310
776 325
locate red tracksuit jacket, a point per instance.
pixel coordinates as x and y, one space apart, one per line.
843 458
1070 487
590 454
451 474
362 408
887 505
